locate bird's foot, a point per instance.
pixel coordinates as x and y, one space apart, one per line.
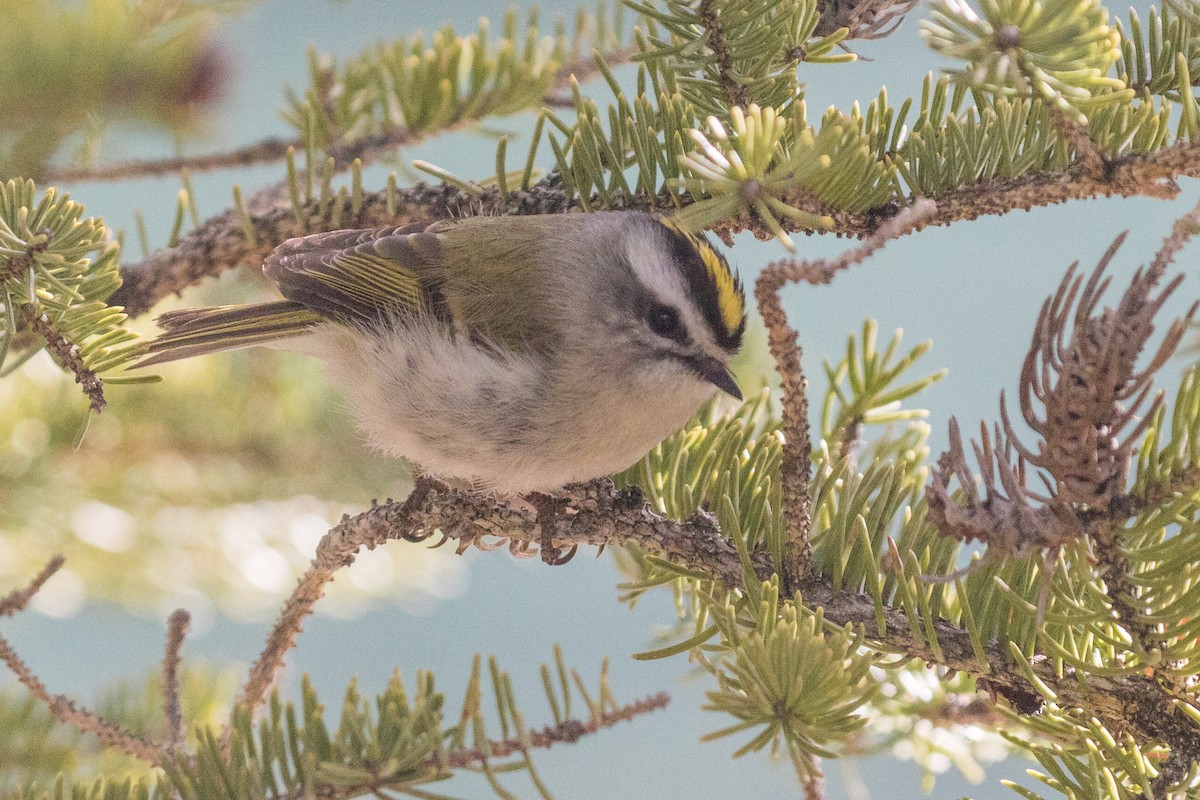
548 509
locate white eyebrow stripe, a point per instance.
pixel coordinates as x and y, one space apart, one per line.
666 283
655 272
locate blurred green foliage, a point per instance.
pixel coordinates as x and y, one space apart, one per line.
151 61
211 487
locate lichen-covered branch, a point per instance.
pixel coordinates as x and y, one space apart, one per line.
784 344
597 514
600 515
220 243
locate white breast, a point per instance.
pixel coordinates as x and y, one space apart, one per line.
504 422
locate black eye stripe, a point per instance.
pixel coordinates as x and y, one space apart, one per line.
700 287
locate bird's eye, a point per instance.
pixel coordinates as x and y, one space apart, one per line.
664 320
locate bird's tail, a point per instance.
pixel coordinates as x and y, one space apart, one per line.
197 331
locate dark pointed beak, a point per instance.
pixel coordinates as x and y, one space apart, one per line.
719 375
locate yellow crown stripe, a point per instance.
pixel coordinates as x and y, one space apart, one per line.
730 300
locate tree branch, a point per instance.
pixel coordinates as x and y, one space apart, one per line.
735 90
220 242
262 152
17 599
1133 703
110 734
568 731
66 353
274 149
598 515
602 515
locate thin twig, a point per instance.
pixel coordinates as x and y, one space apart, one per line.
266 151
274 149
177 628
65 710
1181 233
38 322
814 786
334 551
783 342
66 353
17 599
567 731
61 707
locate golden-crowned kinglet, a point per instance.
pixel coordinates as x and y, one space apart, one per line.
517 353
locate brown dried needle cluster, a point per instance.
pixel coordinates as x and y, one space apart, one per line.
1090 387
1006 517
1083 395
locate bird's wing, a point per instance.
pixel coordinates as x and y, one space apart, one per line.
363 277
197 331
358 277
